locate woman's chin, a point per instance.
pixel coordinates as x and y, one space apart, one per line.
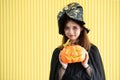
72 39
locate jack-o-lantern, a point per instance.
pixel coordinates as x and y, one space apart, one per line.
72 54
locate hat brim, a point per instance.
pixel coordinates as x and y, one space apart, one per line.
61 29
87 29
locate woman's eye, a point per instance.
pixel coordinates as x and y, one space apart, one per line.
75 28
66 28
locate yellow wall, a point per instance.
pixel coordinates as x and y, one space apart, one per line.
29 34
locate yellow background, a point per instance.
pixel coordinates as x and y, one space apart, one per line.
29 34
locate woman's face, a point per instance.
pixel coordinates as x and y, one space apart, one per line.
72 30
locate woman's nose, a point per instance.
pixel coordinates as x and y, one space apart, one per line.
71 31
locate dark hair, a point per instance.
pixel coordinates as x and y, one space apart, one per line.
83 38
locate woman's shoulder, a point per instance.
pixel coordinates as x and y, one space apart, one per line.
94 48
56 51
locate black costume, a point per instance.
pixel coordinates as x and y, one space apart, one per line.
75 71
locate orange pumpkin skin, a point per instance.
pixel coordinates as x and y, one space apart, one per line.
72 54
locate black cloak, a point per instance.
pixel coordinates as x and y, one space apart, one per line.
75 71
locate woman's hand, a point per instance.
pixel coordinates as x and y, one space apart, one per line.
85 62
64 65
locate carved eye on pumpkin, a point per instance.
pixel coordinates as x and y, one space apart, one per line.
72 54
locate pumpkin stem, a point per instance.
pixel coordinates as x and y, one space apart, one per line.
67 43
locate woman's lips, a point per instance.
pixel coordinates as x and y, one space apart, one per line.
71 35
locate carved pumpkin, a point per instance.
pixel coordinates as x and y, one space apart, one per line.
72 54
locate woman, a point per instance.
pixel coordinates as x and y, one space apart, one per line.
71 26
